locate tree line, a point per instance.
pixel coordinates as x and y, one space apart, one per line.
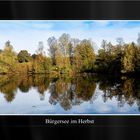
71 56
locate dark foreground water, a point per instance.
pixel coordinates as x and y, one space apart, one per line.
39 94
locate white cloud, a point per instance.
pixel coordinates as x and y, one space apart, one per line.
102 22
29 38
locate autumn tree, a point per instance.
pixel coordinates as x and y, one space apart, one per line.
104 57
84 56
72 46
65 51
52 42
108 58
137 64
9 54
129 58
24 56
64 43
41 63
8 59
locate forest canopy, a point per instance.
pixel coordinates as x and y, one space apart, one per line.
69 55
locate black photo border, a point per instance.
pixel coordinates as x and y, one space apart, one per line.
71 10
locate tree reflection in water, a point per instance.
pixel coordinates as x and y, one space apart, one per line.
71 91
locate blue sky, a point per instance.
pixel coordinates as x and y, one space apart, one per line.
25 34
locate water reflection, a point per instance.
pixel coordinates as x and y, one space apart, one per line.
72 91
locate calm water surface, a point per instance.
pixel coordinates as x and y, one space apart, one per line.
39 94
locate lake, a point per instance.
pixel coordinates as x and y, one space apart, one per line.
86 94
